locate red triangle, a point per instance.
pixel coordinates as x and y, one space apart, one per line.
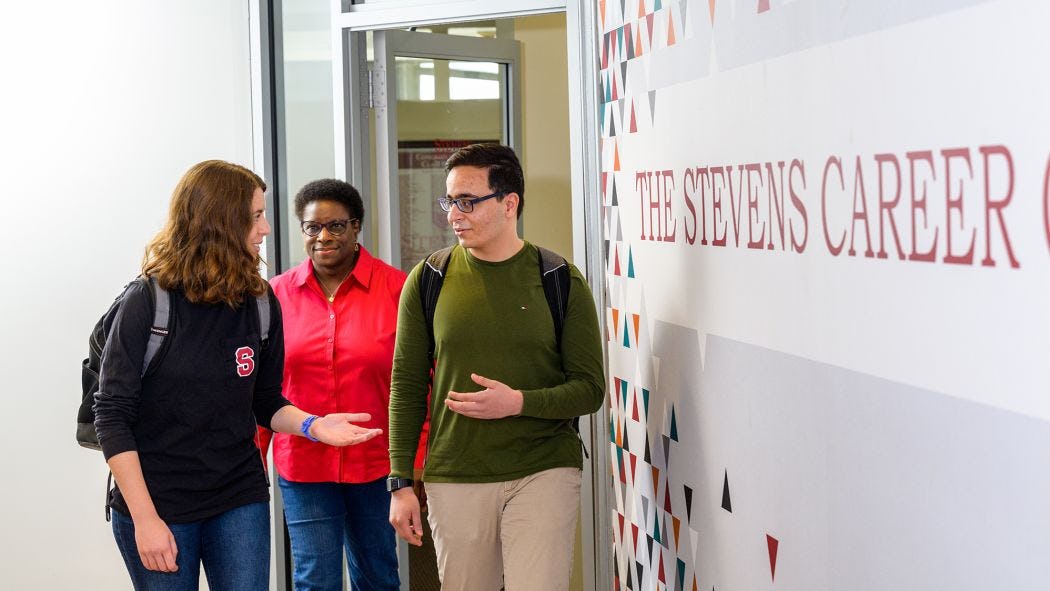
763 5
634 532
667 500
662 578
771 544
634 463
634 121
621 524
615 92
616 264
634 411
605 183
649 20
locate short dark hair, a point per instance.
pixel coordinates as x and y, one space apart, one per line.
505 174
335 190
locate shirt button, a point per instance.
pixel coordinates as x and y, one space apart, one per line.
331 317
331 340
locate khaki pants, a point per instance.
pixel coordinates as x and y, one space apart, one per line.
517 534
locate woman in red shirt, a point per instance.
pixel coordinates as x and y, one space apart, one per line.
340 317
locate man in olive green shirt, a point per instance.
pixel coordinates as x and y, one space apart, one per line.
504 462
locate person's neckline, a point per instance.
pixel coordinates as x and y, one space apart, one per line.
511 259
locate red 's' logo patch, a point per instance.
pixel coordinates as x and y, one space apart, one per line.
245 358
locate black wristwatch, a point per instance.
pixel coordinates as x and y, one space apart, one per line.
397 483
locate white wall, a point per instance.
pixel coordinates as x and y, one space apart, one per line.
103 106
788 415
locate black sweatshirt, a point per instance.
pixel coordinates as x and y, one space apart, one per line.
192 418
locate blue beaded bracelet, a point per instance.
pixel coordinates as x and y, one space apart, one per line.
305 428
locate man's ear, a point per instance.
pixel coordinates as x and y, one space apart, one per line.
510 204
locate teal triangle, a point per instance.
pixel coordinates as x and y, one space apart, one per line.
619 37
657 6
623 389
619 455
674 426
681 573
656 531
626 341
601 116
608 89
612 431
645 398
630 263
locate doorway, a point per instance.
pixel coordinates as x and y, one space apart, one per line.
444 84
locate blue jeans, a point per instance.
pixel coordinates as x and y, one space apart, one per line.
326 518
234 547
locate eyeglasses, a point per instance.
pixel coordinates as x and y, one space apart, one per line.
334 227
465 204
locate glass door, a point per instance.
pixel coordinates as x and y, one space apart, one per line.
433 93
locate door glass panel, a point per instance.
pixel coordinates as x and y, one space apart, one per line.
442 105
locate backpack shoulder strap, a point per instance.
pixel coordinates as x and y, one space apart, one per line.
554 274
161 318
431 277
262 304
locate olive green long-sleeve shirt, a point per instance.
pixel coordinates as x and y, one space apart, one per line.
492 319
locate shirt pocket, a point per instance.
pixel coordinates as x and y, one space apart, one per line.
240 357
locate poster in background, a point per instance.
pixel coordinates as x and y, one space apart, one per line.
421 178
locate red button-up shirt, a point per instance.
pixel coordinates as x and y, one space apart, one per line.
337 359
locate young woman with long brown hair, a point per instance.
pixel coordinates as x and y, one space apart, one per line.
180 439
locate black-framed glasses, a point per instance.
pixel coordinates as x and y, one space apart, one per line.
334 227
465 204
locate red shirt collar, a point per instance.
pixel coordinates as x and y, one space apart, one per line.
362 273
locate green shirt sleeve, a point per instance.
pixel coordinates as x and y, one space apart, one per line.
581 354
410 379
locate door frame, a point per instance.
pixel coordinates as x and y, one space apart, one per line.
350 20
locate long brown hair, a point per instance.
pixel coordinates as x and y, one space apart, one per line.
203 247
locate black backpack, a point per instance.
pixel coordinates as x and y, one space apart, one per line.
86 435
158 332
554 274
